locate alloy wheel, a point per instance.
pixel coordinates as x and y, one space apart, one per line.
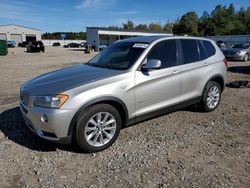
213 97
100 129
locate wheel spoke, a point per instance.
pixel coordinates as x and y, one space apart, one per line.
214 89
109 128
109 136
101 138
95 138
209 103
217 95
109 122
90 128
93 122
99 117
105 118
91 135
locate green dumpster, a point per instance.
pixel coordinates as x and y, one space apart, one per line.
3 47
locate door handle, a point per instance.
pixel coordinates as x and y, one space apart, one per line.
205 64
176 71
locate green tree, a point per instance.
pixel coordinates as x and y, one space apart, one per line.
114 27
141 27
129 25
168 27
223 18
189 23
206 25
155 27
247 20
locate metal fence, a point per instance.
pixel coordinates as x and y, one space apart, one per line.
231 38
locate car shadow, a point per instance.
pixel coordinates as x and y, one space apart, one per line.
32 52
240 69
12 125
239 84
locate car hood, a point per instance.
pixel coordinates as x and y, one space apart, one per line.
64 79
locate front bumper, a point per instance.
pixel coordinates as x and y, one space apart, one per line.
56 129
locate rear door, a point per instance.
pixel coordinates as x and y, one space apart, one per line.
160 88
193 68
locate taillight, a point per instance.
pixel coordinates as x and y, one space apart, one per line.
225 62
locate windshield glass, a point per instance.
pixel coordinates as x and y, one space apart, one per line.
119 56
241 46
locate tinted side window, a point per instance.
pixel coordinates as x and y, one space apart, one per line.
209 48
190 50
202 50
166 52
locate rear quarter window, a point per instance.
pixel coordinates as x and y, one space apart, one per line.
210 49
202 50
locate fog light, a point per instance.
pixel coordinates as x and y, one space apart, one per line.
44 118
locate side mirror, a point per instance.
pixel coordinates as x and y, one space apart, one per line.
152 64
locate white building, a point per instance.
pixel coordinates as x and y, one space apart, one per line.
19 33
93 35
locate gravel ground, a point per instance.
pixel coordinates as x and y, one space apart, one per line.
184 148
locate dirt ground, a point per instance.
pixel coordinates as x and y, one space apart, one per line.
184 148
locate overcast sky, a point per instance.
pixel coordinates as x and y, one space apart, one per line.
76 15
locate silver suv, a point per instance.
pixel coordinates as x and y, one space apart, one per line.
132 80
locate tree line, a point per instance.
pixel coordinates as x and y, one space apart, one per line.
68 35
223 20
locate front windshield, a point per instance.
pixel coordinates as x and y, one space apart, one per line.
241 46
119 56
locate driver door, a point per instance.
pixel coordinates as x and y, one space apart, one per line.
158 88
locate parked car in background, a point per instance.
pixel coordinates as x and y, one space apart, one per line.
132 80
56 44
83 44
221 44
35 46
239 52
22 44
72 45
11 43
102 47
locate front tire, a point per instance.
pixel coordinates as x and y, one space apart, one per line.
211 97
98 127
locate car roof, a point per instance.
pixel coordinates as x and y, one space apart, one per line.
150 39
145 39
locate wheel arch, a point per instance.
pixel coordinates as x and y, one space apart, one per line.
113 101
219 79
216 78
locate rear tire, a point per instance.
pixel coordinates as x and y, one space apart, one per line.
98 127
211 97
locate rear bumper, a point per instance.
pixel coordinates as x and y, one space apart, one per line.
56 129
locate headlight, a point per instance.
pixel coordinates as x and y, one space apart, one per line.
238 52
51 101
